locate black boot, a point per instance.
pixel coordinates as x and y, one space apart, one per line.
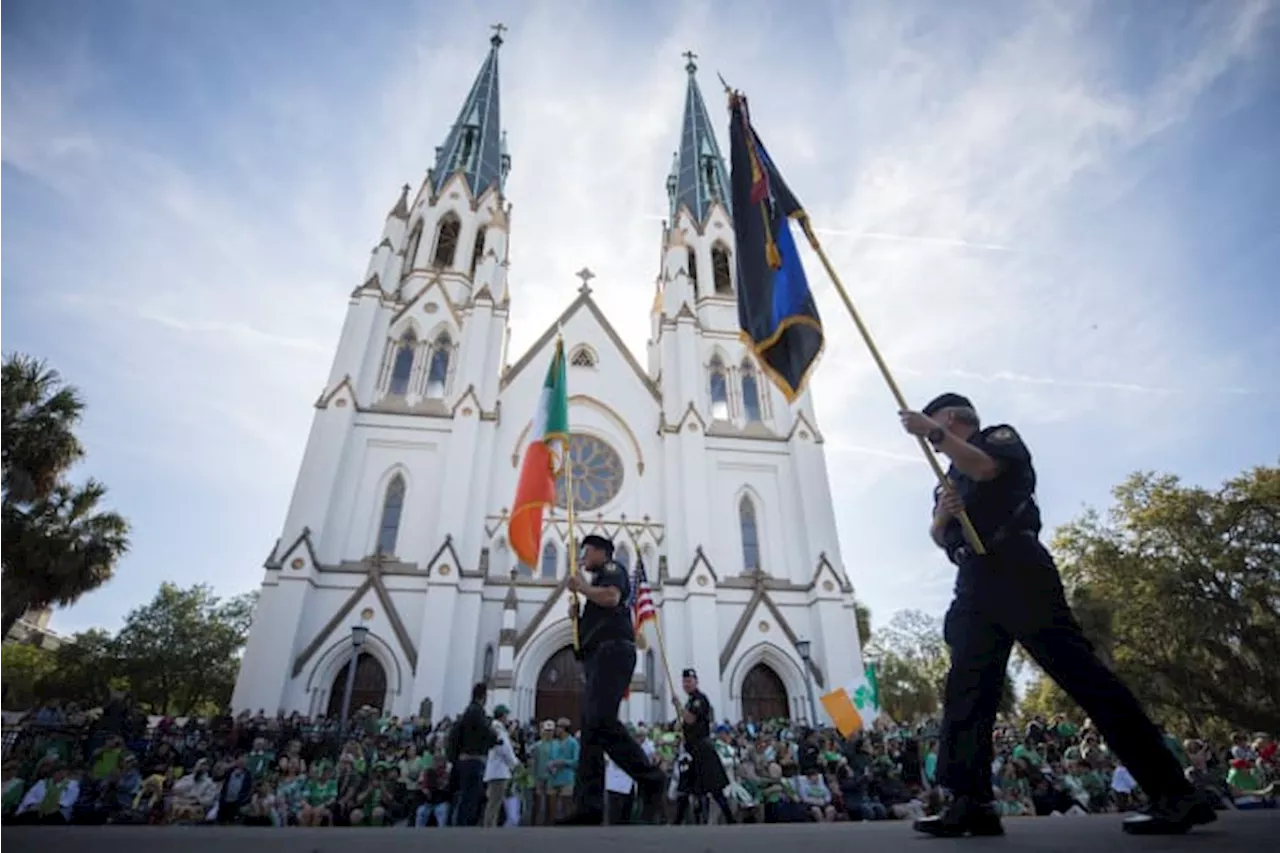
651 793
1173 815
962 817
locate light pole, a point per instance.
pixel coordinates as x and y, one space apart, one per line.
803 646
358 634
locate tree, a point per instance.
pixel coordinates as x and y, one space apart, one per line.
862 614
85 670
57 543
180 653
1182 584
24 666
912 661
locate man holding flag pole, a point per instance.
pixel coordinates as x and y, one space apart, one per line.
1007 587
603 632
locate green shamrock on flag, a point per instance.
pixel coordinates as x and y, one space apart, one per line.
863 697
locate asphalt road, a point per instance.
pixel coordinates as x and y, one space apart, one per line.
1235 832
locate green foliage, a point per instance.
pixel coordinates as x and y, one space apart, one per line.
23 668
862 614
912 661
1180 586
180 653
57 543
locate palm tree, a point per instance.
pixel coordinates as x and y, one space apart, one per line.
862 614
57 544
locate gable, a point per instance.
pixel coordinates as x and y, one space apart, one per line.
583 321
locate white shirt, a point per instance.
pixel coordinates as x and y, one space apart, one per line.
502 758
35 797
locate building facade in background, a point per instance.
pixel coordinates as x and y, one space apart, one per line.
690 460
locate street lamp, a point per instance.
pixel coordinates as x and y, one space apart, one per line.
358 635
803 647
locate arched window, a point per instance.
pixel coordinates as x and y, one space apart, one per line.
488 664
411 249
750 392
402 367
622 556
392 506
719 390
478 252
550 561
720 269
438 371
446 241
750 535
693 271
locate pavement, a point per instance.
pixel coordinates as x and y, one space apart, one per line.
1234 832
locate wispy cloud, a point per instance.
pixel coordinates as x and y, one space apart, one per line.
1014 193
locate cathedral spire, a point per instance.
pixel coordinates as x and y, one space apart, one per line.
698 177
475 145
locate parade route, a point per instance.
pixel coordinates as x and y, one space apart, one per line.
1235 832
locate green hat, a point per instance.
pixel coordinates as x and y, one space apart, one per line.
501 711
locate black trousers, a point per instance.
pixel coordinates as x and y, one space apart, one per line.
1014 594
608 669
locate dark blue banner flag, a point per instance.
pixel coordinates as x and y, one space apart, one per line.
776 310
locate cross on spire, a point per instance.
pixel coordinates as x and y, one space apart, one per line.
690 65
586 275
498 29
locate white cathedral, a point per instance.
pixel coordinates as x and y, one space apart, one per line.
396 535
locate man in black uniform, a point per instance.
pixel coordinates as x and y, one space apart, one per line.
608 642
1013 592
709 778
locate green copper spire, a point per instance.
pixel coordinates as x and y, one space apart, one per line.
698 176
475 145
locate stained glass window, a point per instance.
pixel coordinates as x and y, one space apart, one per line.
719 391
750 393
750 535
438 372
402 367
596 470
549 561
392 504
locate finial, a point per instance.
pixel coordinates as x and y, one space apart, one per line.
586 275
498 29
690 65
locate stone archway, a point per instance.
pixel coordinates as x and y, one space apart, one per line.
764 696
370 687
560 687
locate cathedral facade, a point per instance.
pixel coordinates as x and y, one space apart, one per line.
691 462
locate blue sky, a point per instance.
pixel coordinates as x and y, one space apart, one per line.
1066 210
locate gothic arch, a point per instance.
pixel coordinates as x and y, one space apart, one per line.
591 403
718 385
752 391
379 496
783 665
583 356
477 249
548 561
448 236
721 268
411 247
749 497
335 656
535 654
405 325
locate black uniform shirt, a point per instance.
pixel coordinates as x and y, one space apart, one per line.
1001 506
602 624
700 707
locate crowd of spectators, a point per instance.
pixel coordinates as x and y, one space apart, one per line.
113 765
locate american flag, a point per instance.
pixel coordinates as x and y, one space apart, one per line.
642 609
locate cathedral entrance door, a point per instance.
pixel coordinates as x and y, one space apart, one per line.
370 687
763 695
560 686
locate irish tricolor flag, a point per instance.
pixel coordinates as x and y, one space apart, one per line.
855 706
542 463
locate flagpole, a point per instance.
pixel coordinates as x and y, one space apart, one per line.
657 626
567 465
970 532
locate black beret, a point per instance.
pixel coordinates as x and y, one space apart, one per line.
598 542
946 401
689 673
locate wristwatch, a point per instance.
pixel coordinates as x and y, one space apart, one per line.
936 436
